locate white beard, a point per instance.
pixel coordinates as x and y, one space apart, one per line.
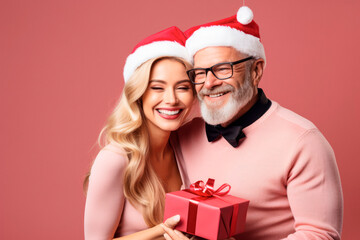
240 96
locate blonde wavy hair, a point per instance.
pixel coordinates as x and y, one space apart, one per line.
127 129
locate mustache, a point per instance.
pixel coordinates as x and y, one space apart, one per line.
216 90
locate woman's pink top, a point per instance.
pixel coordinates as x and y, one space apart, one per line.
107 212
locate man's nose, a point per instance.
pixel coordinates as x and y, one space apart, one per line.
211 81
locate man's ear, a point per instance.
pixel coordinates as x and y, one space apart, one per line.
257 69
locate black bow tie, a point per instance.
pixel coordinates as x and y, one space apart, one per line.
232 133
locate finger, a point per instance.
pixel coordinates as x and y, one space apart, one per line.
166 236
173 221
180 234
175 235
168 230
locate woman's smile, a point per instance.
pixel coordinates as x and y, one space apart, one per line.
169 113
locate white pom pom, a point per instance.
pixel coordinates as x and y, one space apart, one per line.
244 15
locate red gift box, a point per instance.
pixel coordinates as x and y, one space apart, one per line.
207 213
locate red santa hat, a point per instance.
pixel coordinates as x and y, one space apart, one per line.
169 42
238 31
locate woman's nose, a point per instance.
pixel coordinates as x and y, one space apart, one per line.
171 97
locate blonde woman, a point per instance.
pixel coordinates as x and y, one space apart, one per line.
131 174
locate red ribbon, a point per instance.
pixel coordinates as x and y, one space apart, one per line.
207 190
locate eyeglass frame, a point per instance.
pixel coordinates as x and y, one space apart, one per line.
211 69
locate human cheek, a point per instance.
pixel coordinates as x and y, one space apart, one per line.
235 82
151 101
187 99
198 87
237 78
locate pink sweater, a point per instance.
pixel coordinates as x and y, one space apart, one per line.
107 212
284 166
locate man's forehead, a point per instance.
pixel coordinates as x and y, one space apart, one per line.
212 55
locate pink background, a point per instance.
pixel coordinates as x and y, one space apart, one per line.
61 73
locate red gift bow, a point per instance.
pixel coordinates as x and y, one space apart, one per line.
207 190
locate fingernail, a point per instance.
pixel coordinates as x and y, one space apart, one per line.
176 218
166 236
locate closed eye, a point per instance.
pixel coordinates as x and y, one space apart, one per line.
184 88
199 73
223 69
156 88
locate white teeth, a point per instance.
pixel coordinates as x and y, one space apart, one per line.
168 112
216 95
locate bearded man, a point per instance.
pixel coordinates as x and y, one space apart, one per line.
268 154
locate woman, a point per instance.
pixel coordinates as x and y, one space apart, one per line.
132 173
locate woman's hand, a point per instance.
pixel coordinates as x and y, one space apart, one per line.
171 234
153 233
171 222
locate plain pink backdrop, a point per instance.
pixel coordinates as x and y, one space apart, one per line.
61 73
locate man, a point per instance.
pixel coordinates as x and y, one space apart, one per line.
268 154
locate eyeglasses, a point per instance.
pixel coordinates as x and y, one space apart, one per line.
221 71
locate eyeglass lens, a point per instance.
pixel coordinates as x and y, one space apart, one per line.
221 71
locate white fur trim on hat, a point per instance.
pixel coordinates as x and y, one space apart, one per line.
215 36
153 50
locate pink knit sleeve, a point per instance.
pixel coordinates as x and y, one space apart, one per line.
314 189
105 198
